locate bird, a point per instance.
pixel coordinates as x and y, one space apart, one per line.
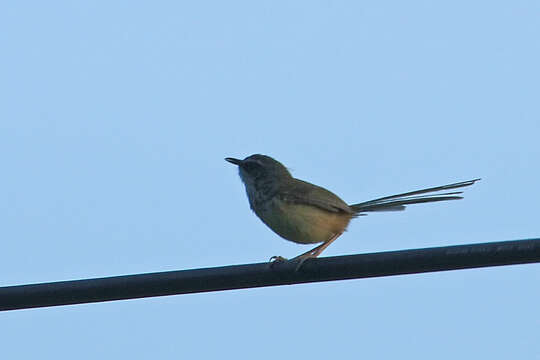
306 213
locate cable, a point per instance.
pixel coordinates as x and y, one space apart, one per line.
270 274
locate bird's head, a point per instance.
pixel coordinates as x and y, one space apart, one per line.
257 171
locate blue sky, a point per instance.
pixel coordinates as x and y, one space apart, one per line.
115 118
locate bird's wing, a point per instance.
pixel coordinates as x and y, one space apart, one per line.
398 202
301 192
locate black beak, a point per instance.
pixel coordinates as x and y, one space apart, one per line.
234 161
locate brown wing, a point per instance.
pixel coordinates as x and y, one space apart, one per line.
302 192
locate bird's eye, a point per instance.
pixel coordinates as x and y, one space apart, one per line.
251 166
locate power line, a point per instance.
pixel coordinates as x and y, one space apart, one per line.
267 274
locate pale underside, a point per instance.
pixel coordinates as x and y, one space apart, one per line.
304 224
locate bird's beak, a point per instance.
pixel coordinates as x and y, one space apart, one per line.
234 161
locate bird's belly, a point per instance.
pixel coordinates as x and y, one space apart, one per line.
303 224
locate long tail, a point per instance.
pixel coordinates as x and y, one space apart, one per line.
398 202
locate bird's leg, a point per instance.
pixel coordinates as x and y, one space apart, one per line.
315 251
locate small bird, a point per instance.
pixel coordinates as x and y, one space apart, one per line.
307 214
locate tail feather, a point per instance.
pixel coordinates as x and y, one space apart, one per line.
398 202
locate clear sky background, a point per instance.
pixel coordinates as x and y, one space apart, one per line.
115 118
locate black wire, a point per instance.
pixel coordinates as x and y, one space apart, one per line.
269 274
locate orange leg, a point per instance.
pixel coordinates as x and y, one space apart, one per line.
315 251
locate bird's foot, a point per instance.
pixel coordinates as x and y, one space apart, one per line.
297 261
277 258
301 259
282 264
